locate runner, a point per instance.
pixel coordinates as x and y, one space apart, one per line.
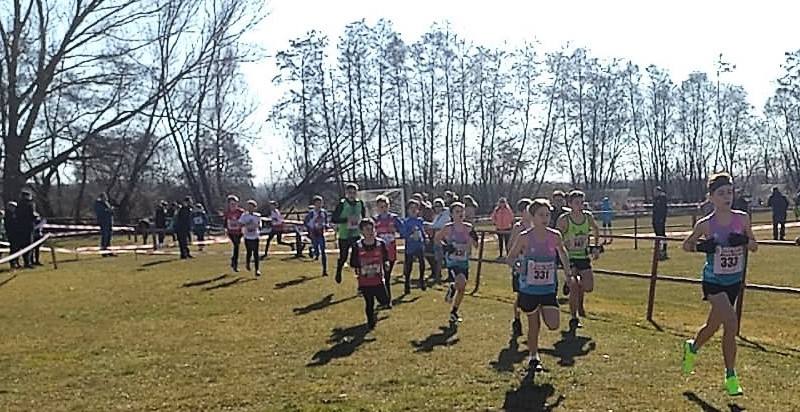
576 226
347 216
459 238
413 232
726 232
558 203
503 219
607 215
233 228
199 223
387 224
524 223
316 222
539 248
251 224
470 209
370 260
276 228
441 217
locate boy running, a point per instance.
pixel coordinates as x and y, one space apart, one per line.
535 252
523 224
576 226
251 223
370 260
316 222
727 233
413 231
457 239
233 228
387 225
347 216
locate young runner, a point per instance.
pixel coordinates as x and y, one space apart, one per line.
441 217
370 260
413 232
535 251
251 223
576 226
459 238
470 209
233 228
199 223
387 225
347 216
316 222
276 228
558 201
503 219
727 233
523 224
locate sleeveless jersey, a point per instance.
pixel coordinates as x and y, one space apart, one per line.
576 237
538 264
386 228
352 214
726 266
371 261
462 242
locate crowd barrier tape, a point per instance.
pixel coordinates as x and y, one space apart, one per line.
87 227
18 254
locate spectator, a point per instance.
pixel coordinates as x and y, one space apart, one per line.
199 223
38 233
183 225
25 222
105 219
172 209
161 222
741 203
503 219
12 231
660 209
607 216
470 209
706 208
779 204
797 206
143 227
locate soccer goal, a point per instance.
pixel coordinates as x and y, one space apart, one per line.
397 200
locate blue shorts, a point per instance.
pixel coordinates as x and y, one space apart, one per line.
454 271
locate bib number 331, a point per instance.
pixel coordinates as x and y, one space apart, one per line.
540 273
729 260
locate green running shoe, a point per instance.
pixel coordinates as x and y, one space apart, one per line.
732 386
688 357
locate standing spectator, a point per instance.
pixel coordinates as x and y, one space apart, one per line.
779 204
660 218
161 222
105 219
503 219
233 228
25 222
143 227
470 209
741 203
38 233
183 225
276 228
797 206
251 223
199 223
172 210
607 216
12 231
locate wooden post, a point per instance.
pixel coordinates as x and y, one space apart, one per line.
653 278
740 301
694 217
636 229
480 264
53 256
155 240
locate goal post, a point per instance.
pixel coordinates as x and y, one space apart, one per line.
397 200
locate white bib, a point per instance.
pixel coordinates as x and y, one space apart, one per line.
729 260
540 273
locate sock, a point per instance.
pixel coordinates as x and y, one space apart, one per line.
729 373
692 347
454 310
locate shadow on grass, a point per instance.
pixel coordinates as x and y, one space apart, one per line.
323 303
203 281
707 407
401 300
295 282
346 342
569 347
235 281
10 278
508 357
156 262
441 338
531 397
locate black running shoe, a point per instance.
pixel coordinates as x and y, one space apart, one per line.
565 289
575 324
338 277
516 327
422 284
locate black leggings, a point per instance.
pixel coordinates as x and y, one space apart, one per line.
371 293
503 239
251 245
408 263
279 235
236 240
344 250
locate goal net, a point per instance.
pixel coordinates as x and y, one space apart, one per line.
397 200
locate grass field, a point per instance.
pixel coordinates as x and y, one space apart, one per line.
156 333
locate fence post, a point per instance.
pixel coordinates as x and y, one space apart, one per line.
740 301
480 264
155 240
53 255
636 229
653 277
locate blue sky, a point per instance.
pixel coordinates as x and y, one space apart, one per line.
681 36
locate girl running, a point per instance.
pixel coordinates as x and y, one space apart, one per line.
275 228
387 224
575 227
536 251
232 228
727 233
251 224
459 238
370 260
316 222
523 224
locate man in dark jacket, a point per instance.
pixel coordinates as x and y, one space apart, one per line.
161 221
105 219
779 204
12 231
25 223
660 218
183 225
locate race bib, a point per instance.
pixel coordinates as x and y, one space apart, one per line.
233 224
198 220
540 273
387 237
370 270
578 242
352 222
460 253
728 260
